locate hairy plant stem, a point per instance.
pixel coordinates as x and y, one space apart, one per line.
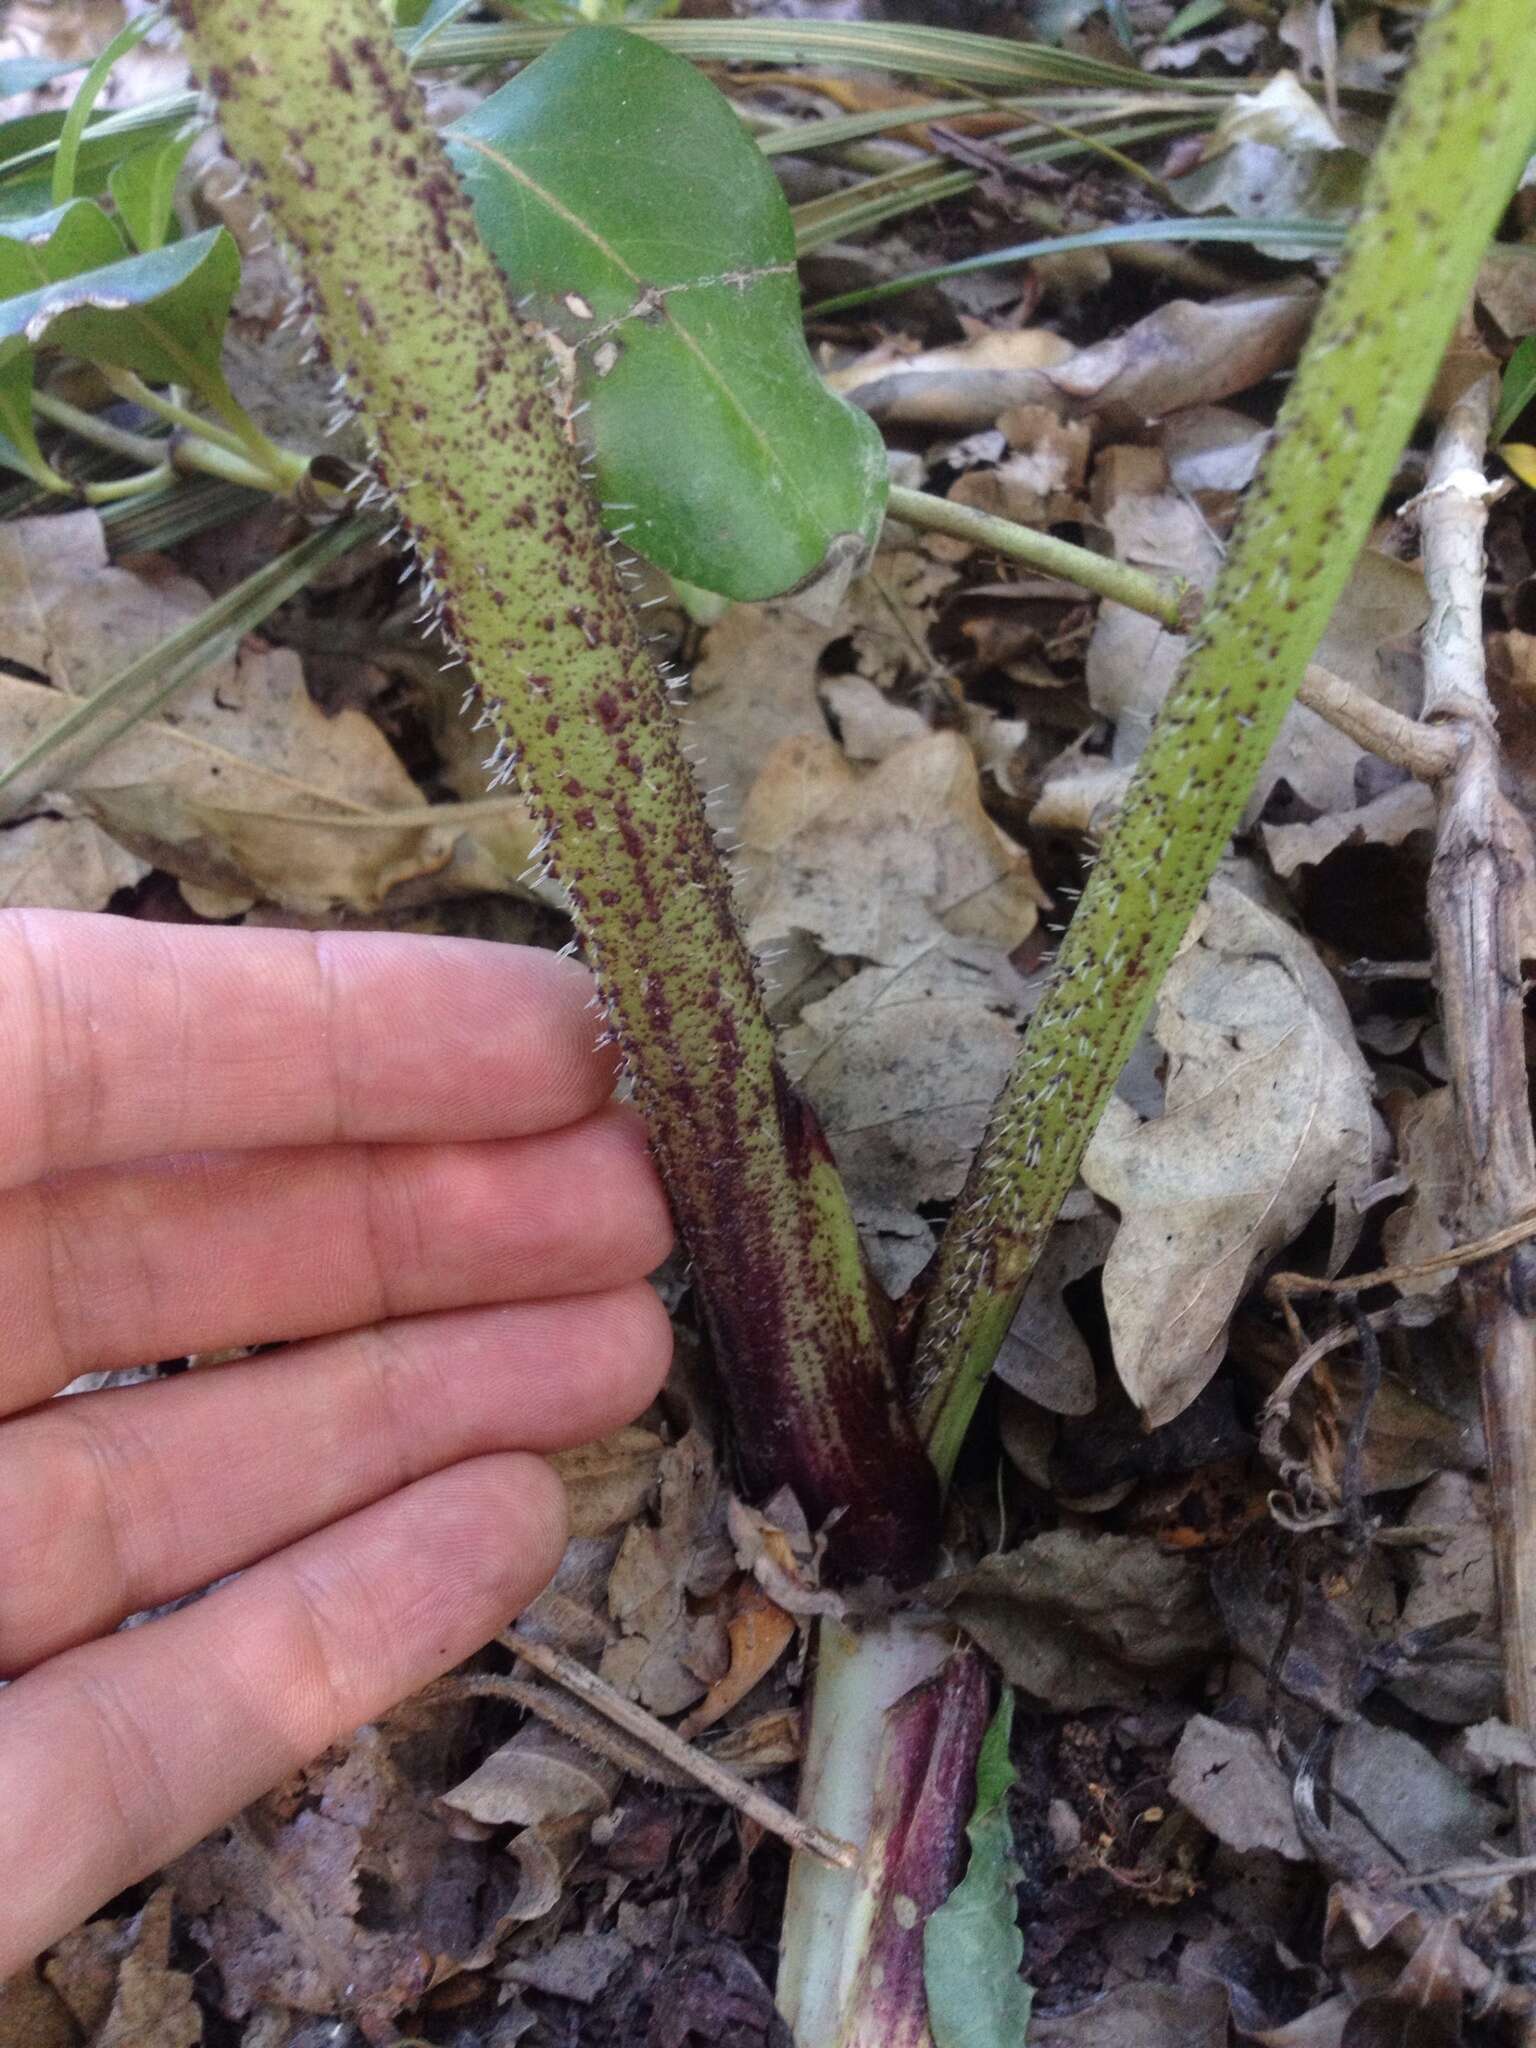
1456 143
317 101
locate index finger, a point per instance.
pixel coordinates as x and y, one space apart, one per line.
120 1039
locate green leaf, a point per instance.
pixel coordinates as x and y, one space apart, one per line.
972 1946
57 244
38 252
160 315
1518 388
1195 14
655 242
143 188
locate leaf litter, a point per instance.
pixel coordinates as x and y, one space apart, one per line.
1258 1719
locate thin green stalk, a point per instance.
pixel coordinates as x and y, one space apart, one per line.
175 414
190 451
99 432
320 106
1175 603
1456 143
121 487
80 106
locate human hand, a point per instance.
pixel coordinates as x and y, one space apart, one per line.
400 1155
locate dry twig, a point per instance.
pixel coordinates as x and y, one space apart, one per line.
726 1785
1480 909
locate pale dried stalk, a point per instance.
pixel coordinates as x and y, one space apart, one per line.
1481 913
1426 751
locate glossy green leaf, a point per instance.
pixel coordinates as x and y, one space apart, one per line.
160 315
34 253
621 194
143 188
972 1944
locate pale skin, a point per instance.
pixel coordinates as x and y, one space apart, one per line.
397 1156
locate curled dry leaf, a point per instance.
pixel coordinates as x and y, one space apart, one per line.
1045 1355
345 1893
1190 353
1450 1583
965 385
1267 1110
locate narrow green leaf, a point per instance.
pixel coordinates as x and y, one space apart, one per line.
718 446
1308 236
143 188
1190 17
160 315
972 1945
1517 389
951 54
79 111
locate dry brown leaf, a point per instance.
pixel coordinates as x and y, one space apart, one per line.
1384 820
1149 2015
540 1775
1211 448
352 1893
1451 1580
1045 1356
671 1648
1267 1111
242 787
884 866
967 384
760 1632
903 1065
33 2016
1423 1226
63 863
154 2003
1132 660
608 1483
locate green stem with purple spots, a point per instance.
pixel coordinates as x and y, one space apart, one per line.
316 101
1463 126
